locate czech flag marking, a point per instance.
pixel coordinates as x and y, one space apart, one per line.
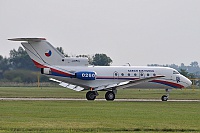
48 53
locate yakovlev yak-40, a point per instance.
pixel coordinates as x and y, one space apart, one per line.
75 73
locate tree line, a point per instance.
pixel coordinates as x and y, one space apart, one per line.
191 71
18 67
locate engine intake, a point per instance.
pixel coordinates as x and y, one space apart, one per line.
46 71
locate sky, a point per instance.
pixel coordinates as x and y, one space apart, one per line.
138 32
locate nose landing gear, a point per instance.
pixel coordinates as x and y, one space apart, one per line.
166 97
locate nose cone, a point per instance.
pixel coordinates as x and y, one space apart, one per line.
187 82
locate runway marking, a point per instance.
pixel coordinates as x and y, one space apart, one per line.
73 99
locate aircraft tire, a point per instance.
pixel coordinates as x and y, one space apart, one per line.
164 98
90 95
110 96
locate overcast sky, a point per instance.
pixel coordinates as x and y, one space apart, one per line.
140 32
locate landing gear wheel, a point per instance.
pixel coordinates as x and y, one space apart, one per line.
110 96
90 95
164 98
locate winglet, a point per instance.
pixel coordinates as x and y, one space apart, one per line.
27 39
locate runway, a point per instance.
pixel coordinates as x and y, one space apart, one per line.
73 99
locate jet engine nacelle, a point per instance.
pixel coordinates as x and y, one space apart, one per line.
46 71
84 75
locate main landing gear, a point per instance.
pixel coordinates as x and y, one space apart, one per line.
91 95
109 96
166 97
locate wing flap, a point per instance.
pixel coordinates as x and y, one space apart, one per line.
67 85
63 84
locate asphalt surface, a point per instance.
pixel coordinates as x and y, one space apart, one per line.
72 99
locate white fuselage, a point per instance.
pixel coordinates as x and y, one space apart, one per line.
116 74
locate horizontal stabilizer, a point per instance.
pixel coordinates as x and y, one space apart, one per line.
27 39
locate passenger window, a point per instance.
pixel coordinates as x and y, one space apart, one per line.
135 74
147 74
129 74
122 74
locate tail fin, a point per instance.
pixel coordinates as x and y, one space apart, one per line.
43 53
40 51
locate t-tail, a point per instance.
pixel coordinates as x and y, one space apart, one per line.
43 54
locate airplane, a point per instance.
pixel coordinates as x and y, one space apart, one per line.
75 73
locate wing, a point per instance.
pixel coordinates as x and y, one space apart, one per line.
120 85
127 84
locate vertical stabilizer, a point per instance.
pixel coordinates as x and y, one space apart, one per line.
43 54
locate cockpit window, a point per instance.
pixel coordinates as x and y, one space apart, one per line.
175 72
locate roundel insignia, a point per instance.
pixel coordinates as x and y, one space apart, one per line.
48 53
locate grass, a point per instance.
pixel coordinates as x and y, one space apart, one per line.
98 116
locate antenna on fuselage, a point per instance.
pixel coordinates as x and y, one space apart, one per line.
128 64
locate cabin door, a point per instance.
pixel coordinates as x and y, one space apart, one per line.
115 75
